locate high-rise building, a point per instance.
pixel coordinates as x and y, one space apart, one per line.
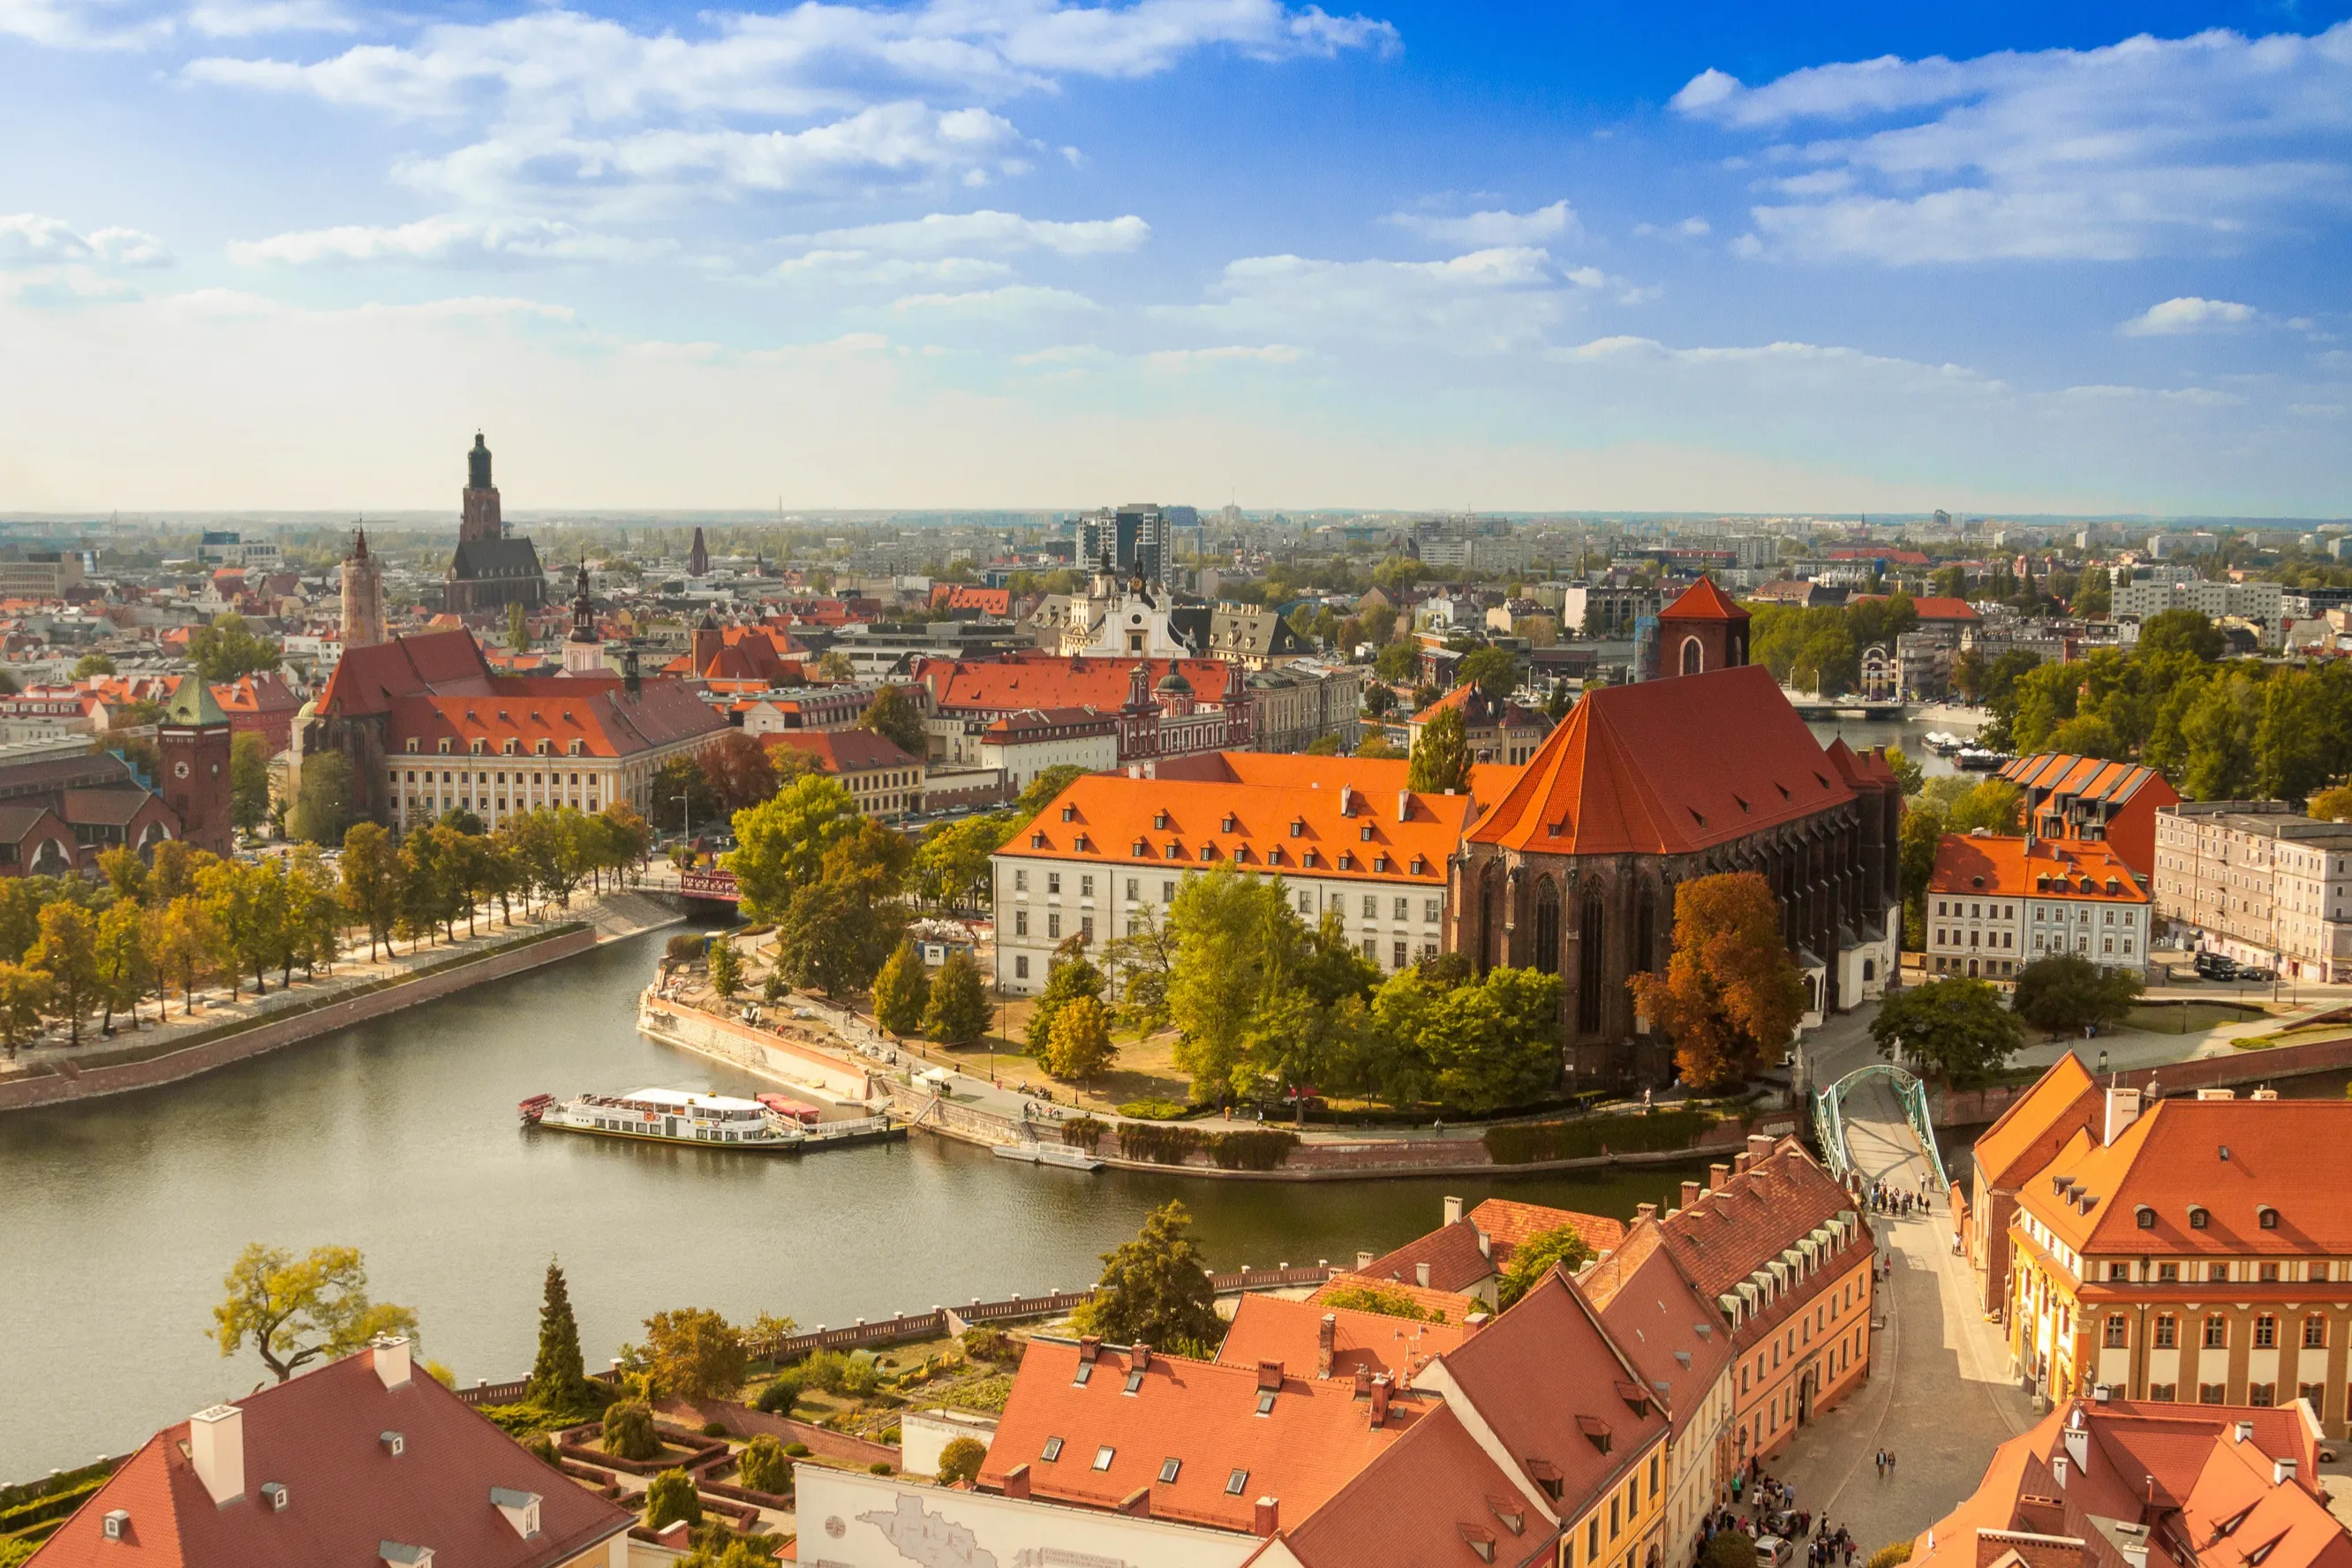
492 569
362 594
1132 540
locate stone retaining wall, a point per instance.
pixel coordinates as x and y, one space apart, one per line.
763 1051
272 1033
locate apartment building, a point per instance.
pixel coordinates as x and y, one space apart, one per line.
2259 603
882 779
1996 904
2094 801
2258 881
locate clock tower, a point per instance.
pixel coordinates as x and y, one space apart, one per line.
192 744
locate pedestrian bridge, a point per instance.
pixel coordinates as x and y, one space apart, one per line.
1830 1118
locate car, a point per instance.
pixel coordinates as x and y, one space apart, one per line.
2214 966
2255 973
1773 1551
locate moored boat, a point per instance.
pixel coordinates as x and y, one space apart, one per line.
697 1117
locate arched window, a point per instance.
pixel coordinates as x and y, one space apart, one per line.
1645 930
1547 954
1693 658
1589 950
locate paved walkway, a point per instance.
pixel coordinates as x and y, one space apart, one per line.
1938 1398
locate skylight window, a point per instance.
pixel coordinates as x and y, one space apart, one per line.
1085 1370
1134 1380
1103 1457
1266 1401
1168 1468
1236 1482
1053 1449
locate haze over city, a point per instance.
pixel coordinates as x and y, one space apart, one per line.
268 254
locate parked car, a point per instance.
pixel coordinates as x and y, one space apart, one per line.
2214 966
1773 1551
2256 972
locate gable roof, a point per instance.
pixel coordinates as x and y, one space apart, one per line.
1729 1232
851 751
2022 868
2065 775
1451 1306
1481 713
1508 1224
1433 1494
1272 1328
366 680
319 1436
2066 1091
1702 601
1674 1336
595 711
1668 767
1937 609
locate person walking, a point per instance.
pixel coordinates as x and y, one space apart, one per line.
1890 1461
1880 1460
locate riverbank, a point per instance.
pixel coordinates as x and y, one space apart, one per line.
223 1030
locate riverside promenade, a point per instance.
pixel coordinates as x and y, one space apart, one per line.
225 1028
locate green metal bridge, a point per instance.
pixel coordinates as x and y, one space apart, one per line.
1829 1118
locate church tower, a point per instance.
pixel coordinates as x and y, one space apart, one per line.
584 650
364 593
1701 632
192 744
697 557
480 519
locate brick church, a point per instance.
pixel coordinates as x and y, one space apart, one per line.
1706 769
492 569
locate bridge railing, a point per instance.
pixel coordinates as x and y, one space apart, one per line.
1830 1120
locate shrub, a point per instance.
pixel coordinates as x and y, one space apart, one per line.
1160 1145
542 1445
1083 1133
1155 1109
960 1460
780 1394
879 1467
1891 1555
991 1345
671 1498
1262 1150
1728 1549
629 1431
714 1428
824 1370
763 1467
683 948
797 1450
860 1378
1522 1143
1388 1300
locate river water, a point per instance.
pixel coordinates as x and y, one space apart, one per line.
118 1217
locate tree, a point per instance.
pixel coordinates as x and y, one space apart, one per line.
125 874
1533 1258
1379 697
896 717
1155 1290
1141 965
559 1378
371 891
832 667
2066 993
126 970
669 1498
957 1014
186 942
294 1311
24 1001
1730 992
1377 746
323 800
1492 670
683 795
1325 745
901 991
838 930
764 1467
2331 805
1908 774
1397 660
1079 1046
781 843
67 952
1048 783
694 1353
725 969
92 664
1069 975
1440 754
1955 1027
629 1430
249 781
1995 805
952 869
1475 1043
960 1462
2181 631
740 771
517 628
1388 1300
228 648
1728 1549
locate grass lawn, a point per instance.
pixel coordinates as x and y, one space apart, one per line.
1144 1070
2189 1017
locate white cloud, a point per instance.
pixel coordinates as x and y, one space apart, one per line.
863 267
2187 314
1484 229
446 240
1227 353
987 231
1013 300
29 239
79 25
249 19
1492 301
2146 146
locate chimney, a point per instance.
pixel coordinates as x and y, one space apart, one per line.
1716 1176
1739 1164
1380 1400
1691 1191
1404 805
2282 1472
1454 1211
391 1360
1364 1262
1420 1275
1485 1245
1138 1358
2123 1110
2058 1468
1473 1323
1090 1347
216 1449
1269 1374
1016 1481
1646 1211
1327 1341
1363 1379
1268 1517
2244 1432
1137 1504
1759 1147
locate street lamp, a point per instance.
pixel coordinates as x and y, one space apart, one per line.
685 805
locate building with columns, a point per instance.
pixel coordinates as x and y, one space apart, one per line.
1705 770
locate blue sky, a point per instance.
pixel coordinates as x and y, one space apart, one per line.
290 253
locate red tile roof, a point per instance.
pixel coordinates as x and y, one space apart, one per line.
967 596
1451 1306
2042 868
1510 1224
1039 681
1702 601
366 680
849 750
2095 778
1729 1233
598 712
1315 1436
1271 1328
2065 1092
1668 767
1674 1335
1934 608
1479 713
319 1437
1433 1497
2286 1155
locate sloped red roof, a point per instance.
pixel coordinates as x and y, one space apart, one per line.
1452 1305
366 680
1668 767
1657 1320
2067 1091
1757 1214
1480 713
2041 867
969 596
1427 1499
1014 683
850 751
1702 601
1270 1327
1937 608
1510 1224
596 712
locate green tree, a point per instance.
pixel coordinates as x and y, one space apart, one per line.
896 717
1397 661
961 1459
763 1467
1141 964
781 843
2181 631
1379 699
838 930
1533 1258
2087 735
1728 1549
2331 805
1996 805
1441 755
24 1001
559 1378
725 969
669 1498
1079 1046
957 1014
832 667
1731 992
629 1431
1906 773
67 952
249 781
1231 927
322 809
186 943
92 664
1388 1300
683 796
371 891
1492 670
694 1353
1043 789
125 874
517 628
126 972
2219 729
1476 1045
1921 836
2066 993
293 1310
901 991
1155 1290
952 869
1955 1027
228 648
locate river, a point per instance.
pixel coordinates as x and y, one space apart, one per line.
1908 733
119 1216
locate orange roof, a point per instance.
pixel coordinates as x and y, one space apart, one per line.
1452 1306
1668 767
1039 681
1109 1444
969 596
1323 832
1729 1233
1934 608
1702 601
1480 713
1435 1495
1301 770
849 750
2231 1159
2027 1120
2058 773
558 709
1269 1328
2041 868
1508 1224
1676 1337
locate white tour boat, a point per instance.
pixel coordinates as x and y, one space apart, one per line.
699 1117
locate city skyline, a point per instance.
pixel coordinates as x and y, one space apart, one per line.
289 255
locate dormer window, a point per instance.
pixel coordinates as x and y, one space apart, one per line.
510 747
1069 814
116 1524
2266 1216
1227 825
412 743
541 748
519 1509
393 1443
1298 828
2145 1217
2198 1218
1037 841
1159 821
579 748
444 745
477 746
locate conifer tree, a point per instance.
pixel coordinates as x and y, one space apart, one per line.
901 991
958 1015
559 1378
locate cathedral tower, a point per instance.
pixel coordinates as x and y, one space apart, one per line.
364 593
481 520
